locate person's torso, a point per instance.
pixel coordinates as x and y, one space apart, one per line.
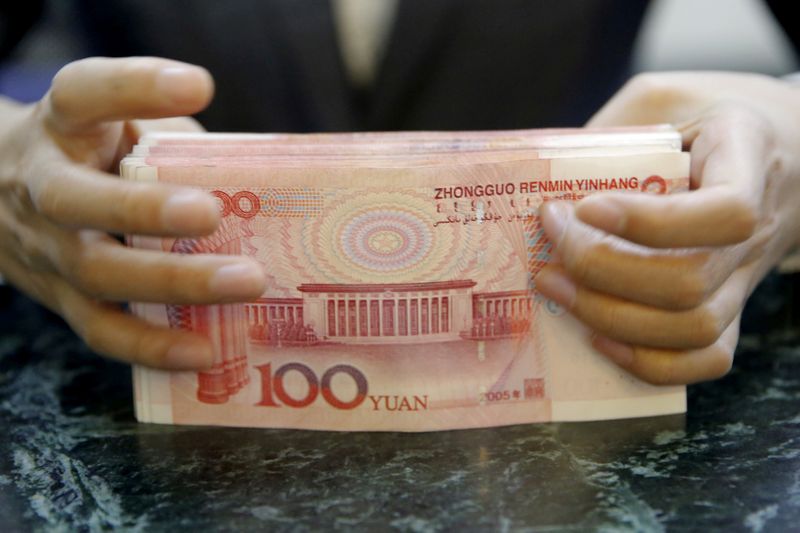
446 64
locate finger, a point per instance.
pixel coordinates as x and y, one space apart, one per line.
80 197
672 367
707 217
729 159
730 146
90 91
111 332
105 270
670 279
643 325
108 330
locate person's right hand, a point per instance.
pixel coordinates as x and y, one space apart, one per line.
59 204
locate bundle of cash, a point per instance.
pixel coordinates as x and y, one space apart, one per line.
402 278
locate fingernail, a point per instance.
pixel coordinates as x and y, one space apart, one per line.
557 286
189 211
555 216
189 355
621 354
238 281
602 213
182 84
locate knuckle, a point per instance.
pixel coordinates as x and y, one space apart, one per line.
48 199
129 213
579 262
577 265
146 349
743 219
93 335
691 290
83 268
136 67
62 100
146 344
178 283
83 274
133 69
34 255
704 327
28 250
138 209
612 322
33 250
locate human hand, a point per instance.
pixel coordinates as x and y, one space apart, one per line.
662 280
59 208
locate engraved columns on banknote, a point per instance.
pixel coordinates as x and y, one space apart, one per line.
224 325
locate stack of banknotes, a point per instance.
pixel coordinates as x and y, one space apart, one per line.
402 278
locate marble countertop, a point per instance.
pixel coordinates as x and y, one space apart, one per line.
72 457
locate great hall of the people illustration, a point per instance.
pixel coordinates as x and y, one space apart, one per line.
327 314
389 313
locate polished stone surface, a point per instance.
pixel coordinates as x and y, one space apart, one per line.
73 458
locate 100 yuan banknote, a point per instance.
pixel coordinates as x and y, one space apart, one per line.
398 298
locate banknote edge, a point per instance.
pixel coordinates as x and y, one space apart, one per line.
618 408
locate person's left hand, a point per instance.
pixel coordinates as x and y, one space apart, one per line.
62 209
662 280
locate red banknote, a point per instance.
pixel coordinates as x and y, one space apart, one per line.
402 278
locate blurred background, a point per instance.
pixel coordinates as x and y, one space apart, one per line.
737 35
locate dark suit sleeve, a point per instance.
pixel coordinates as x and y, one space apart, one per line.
16 18
782 9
